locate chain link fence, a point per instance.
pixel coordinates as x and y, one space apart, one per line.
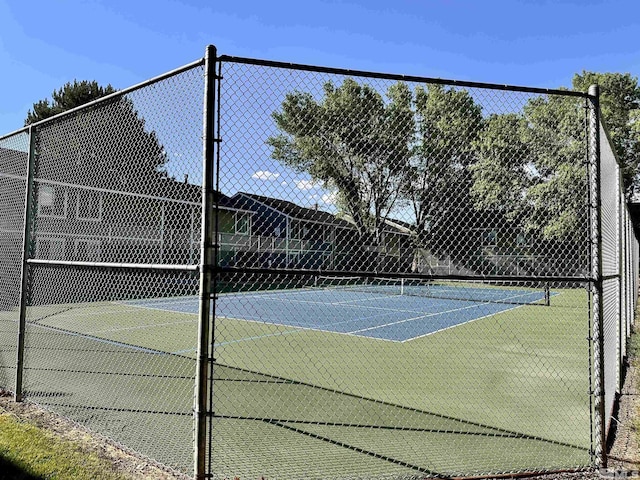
113 225
388 276
619 277
13 165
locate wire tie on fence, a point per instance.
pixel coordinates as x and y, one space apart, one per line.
618 422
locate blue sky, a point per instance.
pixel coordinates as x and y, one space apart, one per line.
45 43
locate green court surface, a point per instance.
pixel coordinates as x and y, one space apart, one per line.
506 392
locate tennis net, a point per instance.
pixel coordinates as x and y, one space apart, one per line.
462 291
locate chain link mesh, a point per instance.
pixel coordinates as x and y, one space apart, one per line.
356 333
611 198
407 280
618 296
13 165
115 237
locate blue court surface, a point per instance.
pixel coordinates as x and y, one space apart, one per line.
396 318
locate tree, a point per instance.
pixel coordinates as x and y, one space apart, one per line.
551 148
438 177
556 139
620 107
69 96
352 139
105 145
502 172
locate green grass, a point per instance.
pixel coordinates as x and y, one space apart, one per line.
505 392
27 452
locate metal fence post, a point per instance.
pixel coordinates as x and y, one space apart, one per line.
600 433
207 258
621 281
24 272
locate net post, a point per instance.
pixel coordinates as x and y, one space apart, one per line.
547 294
600 421
24 272
204 362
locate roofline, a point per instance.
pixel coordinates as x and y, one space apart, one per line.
350 223
249 195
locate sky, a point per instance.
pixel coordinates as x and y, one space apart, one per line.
539 43
46 43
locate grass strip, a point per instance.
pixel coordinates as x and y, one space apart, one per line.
28 452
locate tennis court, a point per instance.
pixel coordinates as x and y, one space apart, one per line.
285 371
393 310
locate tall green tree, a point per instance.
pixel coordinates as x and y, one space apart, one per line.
551 149
352 139
438 176
620 107
71 95
556 139
104 145
502 172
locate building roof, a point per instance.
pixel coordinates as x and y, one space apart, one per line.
298 212
293 210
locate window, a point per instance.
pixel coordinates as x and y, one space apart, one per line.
489 238
242 223
523 240
326 234
295 230
50 248
88 250
295 257
52 201
299 230
89 205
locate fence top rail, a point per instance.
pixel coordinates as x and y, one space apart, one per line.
399 77
106 98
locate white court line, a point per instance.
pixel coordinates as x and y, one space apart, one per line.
162 301
278 324
515 307
350 304
102 340
435 314
300 329
157 304
76 313
140 327
147 307
266 293
462 323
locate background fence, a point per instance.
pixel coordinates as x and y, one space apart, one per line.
388 276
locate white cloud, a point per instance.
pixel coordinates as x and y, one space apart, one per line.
265 175
329 198
306 184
